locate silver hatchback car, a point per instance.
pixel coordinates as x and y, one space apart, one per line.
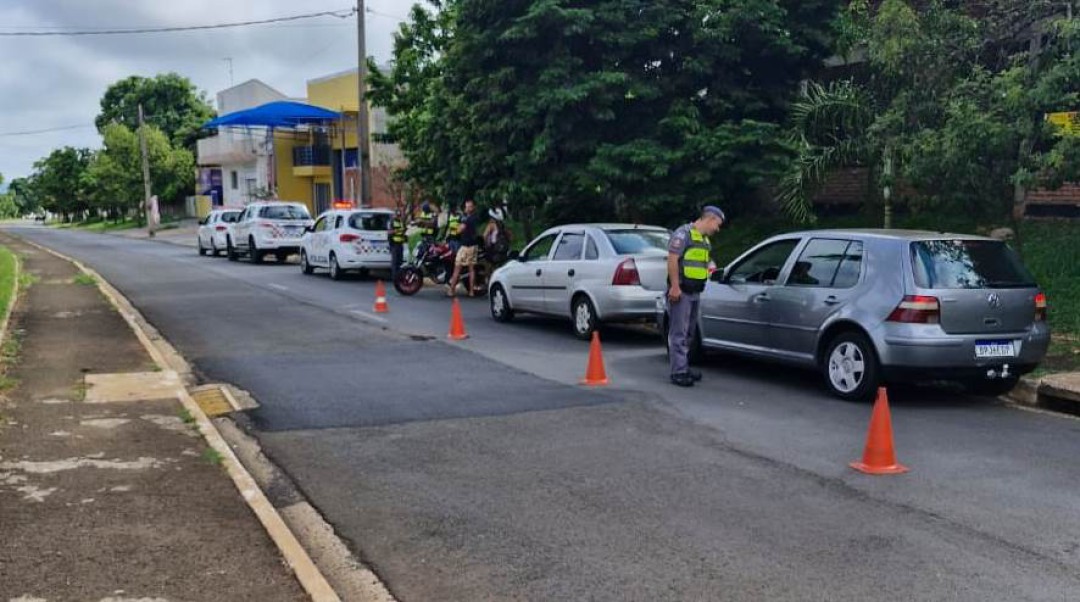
872 306
591 273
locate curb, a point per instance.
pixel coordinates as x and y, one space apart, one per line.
1043 395
167 358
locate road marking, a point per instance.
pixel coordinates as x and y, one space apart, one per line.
279 287
365 314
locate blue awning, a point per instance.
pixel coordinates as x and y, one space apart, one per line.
280 114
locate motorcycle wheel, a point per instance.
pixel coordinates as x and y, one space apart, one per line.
409 281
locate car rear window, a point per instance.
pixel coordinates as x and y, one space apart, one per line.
230 217
966 264
285 212
370 221
638 242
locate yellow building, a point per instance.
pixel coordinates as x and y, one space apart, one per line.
339 92
313 165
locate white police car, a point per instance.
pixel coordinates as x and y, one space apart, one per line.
268 227
214 230
347 240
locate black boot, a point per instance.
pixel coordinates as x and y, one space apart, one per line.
682 380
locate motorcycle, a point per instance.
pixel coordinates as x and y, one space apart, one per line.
434 260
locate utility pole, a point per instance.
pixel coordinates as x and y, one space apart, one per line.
363 141
228 61
145 174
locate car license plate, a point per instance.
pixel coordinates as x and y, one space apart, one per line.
379 244
991 349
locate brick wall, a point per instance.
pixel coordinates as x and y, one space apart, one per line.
1067 194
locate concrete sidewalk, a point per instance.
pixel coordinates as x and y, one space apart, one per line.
106 490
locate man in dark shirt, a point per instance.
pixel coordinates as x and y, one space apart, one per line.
469 235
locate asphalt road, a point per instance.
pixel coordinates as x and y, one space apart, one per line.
479 470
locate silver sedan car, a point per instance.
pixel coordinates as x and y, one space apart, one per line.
591 273
871 306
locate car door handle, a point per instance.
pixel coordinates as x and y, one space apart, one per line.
831 300
571 273
539 271
762 298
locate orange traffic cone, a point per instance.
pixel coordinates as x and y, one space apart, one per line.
879 456
457 324
595 375
381 306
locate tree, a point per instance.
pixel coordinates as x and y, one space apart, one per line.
947 114
413 91
170 101
24 196
619 108
58 181
914 60
114 176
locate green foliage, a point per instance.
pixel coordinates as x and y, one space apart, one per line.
114 177
946 114
57 182
7 278
23 195
632 109
170 102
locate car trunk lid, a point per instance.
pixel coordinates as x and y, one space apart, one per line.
982 286
652 271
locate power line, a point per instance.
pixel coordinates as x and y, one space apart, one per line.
47 130
341 14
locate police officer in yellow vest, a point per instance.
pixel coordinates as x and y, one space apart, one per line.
427 221
688 271
397 238
453 229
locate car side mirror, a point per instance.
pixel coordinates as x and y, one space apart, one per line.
516 256
308 229
719 276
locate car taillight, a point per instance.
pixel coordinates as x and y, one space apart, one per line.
221 228
349 237
1040 307
626 274
917 309
266 225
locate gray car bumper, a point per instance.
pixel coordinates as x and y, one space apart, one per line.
928 349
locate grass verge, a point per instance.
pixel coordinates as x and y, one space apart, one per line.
99 225
7 278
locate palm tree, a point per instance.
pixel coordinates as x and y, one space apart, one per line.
832 128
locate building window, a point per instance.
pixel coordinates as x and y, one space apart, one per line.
235 180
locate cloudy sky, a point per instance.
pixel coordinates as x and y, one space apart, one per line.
55 82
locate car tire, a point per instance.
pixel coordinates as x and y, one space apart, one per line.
583 315
305 267
254 252
850 367
230 250
336 273
994 388
214 251
202 249
500 305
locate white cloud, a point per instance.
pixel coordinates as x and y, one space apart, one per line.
49 82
